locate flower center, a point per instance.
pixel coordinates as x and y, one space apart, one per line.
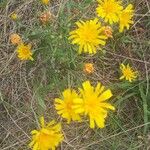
25 51
89 34
128 72
69 106
91 104
109 8
43 139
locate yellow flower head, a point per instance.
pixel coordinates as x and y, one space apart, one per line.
109 10
93 103
108 31
128 73
24 52
64 106
47 137
45 2
15 39
88 68
126 17
89 35
14 16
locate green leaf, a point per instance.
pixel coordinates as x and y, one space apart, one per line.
144 99
41 102
122 99
40 95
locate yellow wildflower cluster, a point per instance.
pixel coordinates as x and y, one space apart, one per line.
90 35
23 50
112 11
91 101
88 101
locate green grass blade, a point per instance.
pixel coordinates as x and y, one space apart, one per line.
145 111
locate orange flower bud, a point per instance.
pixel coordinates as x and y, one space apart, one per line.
108 31
15 39
45 17
88 68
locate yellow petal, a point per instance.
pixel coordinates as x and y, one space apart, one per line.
59 106
78 101
79 110
86 85
100 122
35 147
107 105
34 132
92 123
42 121
122 77
31 144
51 123
105 95
57 127
31 58
67 93
57 100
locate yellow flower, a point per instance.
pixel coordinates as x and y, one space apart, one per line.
126 17
24 52
64 106
45 2
108 31
14 16
88 68
47 137
109 10
128 73
15 39
89 35
93 103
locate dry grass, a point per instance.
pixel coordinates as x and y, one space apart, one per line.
18 93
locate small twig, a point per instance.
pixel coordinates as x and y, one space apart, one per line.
134 59
140 19
114 135
10 146
16 123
